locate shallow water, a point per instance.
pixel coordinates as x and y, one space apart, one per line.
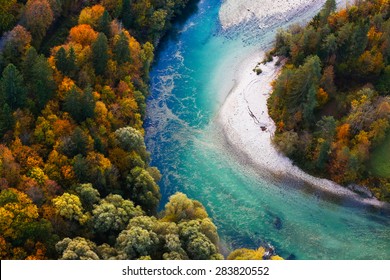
191 78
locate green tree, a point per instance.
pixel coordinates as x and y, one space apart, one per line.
326 127
104 24
181 208
80 104
323 155
157 23
80 140
328 8
71 63
113 213
28 63
306 78
121 49
129 139
309 106
61 60
144 190
77 248
12 88
137 242
42 84
100 54
6 119
197 239
127 17
88 195
147 56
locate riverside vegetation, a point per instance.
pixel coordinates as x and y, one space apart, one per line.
75 178
331 102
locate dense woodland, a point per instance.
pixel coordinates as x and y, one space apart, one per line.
331 102
75 178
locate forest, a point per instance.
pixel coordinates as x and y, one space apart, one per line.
331 102
75 178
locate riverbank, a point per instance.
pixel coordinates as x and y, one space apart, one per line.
248 129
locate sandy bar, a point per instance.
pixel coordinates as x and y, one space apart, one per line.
265 13
247 127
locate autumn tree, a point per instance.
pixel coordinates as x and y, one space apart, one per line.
8 14
9 168
38 16
248 254
114 7
91 15
83 34
19 222
69 206
16 42
97 170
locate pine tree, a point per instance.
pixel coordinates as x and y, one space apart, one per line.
6 119
43 85
28 63
100 54
104 24
12 87
127 17
79 104
309 106
72 66
61 61
122 49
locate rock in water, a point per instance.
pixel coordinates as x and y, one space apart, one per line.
360 190
278 223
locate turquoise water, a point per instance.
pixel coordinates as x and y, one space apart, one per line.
189 81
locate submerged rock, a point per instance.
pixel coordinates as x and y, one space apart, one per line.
291 257
278 223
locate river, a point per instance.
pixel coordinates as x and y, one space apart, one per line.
190 80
